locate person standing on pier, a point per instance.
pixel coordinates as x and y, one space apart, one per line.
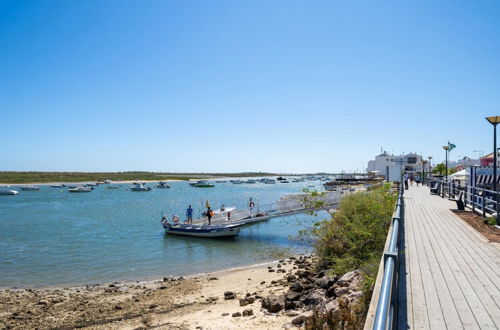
405 179
251 205
210 214
189 215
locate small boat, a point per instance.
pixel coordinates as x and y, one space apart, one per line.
80 189
139 186
30 187
8 192
202 231
57 185
251 181
110 186
220 181
162 184
284 181
237 181
203 184
91 184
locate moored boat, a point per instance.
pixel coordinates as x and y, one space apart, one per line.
8 192
201 230
80 189
162 184
203 184
30 187
139 186
57 185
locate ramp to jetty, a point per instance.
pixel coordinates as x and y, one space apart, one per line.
287 205
451 278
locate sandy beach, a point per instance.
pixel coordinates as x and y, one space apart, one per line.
169 303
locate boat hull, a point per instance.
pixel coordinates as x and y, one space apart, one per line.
202 231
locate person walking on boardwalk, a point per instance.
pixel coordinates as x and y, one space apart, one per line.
189 215
412 179
210 214
405 180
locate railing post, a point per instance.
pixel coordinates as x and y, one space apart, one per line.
473 190
484 204
465 195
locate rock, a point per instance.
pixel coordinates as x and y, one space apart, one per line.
299 320
281 270
118 307
212 299
291 278
348 278
153 306
292 296
273 303
112 286
271 270
330 292
163 287
225 314
42 303
228 295
237 314
248 312
213 279
340 291
314 298
297 287
263 282
247 301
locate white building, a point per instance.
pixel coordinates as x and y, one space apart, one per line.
392 165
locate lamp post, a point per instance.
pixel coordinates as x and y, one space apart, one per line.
430 166
494 120
446 148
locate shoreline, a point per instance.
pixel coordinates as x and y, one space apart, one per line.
180 302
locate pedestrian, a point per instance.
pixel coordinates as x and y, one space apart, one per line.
251 204
222 208
405 180
189 215
210 214
412 179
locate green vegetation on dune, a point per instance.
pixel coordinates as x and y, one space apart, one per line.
12 177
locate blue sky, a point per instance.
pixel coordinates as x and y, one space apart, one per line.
205 86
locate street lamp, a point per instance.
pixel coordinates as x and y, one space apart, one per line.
494 120
446 148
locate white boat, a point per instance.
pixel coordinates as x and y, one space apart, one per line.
57 185
91 184
80 189
8 192
237 181
202 231
162 184
251 181
139 186
110 186
203 184
220 181
30 187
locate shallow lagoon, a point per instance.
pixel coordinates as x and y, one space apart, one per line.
53 237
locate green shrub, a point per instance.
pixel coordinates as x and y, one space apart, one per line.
354 237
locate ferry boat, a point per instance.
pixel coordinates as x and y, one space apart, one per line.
162 184
201 230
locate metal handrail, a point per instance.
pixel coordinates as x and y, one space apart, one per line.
386 314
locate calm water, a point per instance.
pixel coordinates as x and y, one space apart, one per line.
52 237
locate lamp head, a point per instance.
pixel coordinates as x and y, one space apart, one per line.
446 147
493 120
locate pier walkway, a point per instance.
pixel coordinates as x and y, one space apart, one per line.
449 273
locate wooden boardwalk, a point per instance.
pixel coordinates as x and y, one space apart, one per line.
449 273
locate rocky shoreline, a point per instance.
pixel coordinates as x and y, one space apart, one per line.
288 293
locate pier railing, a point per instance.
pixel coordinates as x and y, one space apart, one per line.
386 312
480 200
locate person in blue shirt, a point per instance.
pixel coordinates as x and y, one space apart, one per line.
189 215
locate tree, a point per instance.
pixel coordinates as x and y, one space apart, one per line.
439 168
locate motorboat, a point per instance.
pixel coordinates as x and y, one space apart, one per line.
220 181
284 181
201 230
203 184
30 187
162 184
250 181
139 186
57 185
80 189
4 191
237 181
92 184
